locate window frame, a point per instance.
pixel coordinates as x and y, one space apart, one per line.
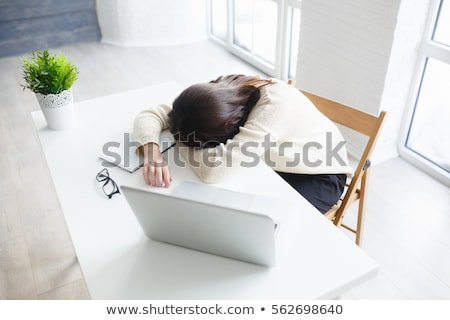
280 69
428 49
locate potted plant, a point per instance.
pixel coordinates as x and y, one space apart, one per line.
51 78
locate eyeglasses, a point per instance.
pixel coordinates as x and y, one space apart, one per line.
109 187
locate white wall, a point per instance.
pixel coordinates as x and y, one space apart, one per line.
152 22
362 53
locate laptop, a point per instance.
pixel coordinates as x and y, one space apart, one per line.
209 219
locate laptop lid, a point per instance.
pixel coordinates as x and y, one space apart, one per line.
204 225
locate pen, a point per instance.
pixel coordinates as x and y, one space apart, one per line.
169 147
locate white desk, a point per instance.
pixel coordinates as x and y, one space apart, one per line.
314 259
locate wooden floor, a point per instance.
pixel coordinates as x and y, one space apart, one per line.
408 214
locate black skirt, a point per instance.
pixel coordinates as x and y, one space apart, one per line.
321 190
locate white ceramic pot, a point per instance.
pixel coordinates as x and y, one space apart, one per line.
57 109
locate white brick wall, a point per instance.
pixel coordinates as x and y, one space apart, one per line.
355 52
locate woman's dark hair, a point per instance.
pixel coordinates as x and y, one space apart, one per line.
207 114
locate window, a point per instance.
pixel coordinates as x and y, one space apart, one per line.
442 30
218 19
262 32
427 142
255 28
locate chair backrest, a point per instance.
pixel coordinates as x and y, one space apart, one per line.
360 121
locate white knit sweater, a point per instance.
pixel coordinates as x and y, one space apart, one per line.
284 129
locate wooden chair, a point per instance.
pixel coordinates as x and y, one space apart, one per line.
368 125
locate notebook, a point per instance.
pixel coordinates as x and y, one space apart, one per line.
122 152
209 219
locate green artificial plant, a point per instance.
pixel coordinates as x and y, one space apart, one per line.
46 73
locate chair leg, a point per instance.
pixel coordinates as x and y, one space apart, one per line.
362 206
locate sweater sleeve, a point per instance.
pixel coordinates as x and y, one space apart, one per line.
213 165
149 123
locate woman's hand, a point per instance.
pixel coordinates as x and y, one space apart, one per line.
156 171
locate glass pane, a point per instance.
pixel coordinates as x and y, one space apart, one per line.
255 27
219 18
293 44
429 134
265 29
442 31
243 24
